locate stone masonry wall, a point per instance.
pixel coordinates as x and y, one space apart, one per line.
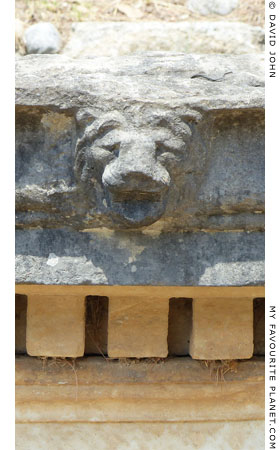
140 180
140 170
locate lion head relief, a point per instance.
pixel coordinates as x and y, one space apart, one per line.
128 163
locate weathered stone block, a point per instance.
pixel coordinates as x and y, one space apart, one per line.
206 7
137 327
90 39
224 435
100 151
181 259
55 326
222 328
121 156
178 389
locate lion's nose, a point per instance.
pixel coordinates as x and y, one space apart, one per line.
131 180
136 172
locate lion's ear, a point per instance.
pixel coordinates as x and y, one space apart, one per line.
191 117
86 116
87 129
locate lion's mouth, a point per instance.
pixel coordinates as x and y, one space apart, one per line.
136 196
136 208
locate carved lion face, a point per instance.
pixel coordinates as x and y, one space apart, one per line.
127 163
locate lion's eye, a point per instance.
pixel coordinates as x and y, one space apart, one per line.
116 149
173 146
169 154
108 126
162 147
113 148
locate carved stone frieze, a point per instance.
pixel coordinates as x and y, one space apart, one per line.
127 164
168 141
140 170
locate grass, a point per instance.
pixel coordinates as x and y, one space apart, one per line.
219 368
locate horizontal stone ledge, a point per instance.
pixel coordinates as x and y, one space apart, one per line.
96 370
62 257
247 435
170 391
199 407
193 80
157 292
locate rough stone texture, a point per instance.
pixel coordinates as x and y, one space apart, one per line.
179 326
98 146
121 181
180 259
101 150
20 323
55 326
137 327
42 38
259 326
222 329
206 7
90 39
96 325
156 291
240 435
176 389
153 396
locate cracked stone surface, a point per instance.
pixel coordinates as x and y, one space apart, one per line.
98 145
147 169
190 259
